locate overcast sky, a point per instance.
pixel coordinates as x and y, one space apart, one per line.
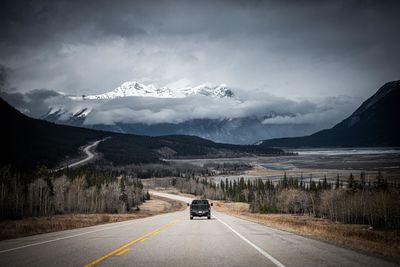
286 48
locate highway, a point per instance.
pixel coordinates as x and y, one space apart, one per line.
174 240
89 156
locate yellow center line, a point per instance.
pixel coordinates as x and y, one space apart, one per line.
120 249
122 252
155 233
144 239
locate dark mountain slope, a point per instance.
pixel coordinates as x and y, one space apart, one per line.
375 123
27 143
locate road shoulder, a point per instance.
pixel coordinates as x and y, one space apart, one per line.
39 225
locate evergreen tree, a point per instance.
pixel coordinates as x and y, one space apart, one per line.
325 184
337 182
319 185
362 180
285 181
352 183
313 186
123 196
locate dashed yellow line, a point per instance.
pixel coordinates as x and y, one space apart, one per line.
122 252
155 233
123 249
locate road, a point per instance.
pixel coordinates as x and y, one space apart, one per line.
89 156
174 240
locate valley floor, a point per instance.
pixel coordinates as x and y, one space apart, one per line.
316 164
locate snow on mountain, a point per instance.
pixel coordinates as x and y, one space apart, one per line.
63 115
218 91
138 89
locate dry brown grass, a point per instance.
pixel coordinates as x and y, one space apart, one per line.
39 225
159 205
260 171
173 191
357 237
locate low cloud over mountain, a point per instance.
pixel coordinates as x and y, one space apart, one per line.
266 110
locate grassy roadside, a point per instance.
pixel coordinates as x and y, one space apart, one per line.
40 225
356 237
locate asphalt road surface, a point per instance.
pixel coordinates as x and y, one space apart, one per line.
174 240
89 156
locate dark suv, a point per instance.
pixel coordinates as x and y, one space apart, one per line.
200 208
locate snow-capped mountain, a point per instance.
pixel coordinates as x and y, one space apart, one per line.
119 114
138 89
213 112
65 116
209 111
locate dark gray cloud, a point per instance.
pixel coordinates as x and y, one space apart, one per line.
34 103
4 73
292 49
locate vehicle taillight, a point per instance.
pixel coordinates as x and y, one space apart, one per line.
190 206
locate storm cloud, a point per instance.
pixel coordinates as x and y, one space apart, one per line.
286 48
288 62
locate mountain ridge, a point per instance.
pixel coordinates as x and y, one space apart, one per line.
375 123
235 130
134 88
28 143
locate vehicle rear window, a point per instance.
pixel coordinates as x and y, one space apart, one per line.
200 202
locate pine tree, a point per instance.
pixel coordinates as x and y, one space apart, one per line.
325 183
337 182
351 183
123 196
313 186
285 181
319 185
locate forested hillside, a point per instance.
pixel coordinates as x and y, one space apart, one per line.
28 143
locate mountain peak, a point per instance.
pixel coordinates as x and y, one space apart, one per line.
386 89
374 123
134 88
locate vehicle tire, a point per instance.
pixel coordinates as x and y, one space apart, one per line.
209 217
191 217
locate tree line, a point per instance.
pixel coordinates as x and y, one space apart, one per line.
45 193
171 169
375 203
89 189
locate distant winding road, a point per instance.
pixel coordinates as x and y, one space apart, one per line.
174 240
89 155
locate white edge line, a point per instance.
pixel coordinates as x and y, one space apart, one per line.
263 252
65 237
